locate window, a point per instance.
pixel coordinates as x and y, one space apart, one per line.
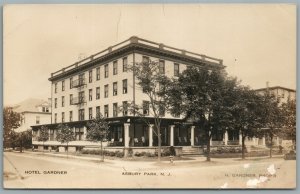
79 133
62 117
98 111
98 73
81 114
115 109
71 82
81 97
115 88
43 109
146 59
37 121
90 94
55 102
106 110
62 101
90 113
146 107
81 80
124 86
71 99
125 64
90 76
106 71
55 118
63 85
176 69
115 67
71 116
55 88
98 93
106 91
161 67
125 108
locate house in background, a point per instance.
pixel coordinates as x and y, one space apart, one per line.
33 112
281 93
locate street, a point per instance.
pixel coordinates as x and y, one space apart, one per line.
28 170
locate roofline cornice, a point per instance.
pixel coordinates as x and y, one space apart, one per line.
137 45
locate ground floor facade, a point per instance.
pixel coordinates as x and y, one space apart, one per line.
131 132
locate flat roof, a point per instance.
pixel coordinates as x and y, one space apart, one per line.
135 44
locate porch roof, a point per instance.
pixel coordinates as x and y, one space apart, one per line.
119 120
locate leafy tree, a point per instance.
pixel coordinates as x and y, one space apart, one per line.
64 135
247 114
98 130
44 135
11 120
24 139
204 95
289 122
152 81
272 117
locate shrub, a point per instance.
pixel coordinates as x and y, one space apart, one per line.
166 152
143 153
148 154
119 154
112 154
137 154
172 151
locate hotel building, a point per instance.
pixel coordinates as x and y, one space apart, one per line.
101 83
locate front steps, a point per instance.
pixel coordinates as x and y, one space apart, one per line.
188 150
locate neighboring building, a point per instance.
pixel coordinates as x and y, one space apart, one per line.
101 83
33 112
281 93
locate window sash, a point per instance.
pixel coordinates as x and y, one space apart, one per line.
125 64
98 73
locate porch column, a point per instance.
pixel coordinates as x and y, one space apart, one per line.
240 138
126 134
84 133
172 135
49 134
226 138
192 135
151 135
254 140
277 141
74 131
264 141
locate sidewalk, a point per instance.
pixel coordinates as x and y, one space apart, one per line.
153 164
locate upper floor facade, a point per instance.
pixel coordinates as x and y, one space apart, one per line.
281 93
102 83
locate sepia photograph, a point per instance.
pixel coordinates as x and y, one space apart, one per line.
149 96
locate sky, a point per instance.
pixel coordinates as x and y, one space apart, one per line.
257 42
